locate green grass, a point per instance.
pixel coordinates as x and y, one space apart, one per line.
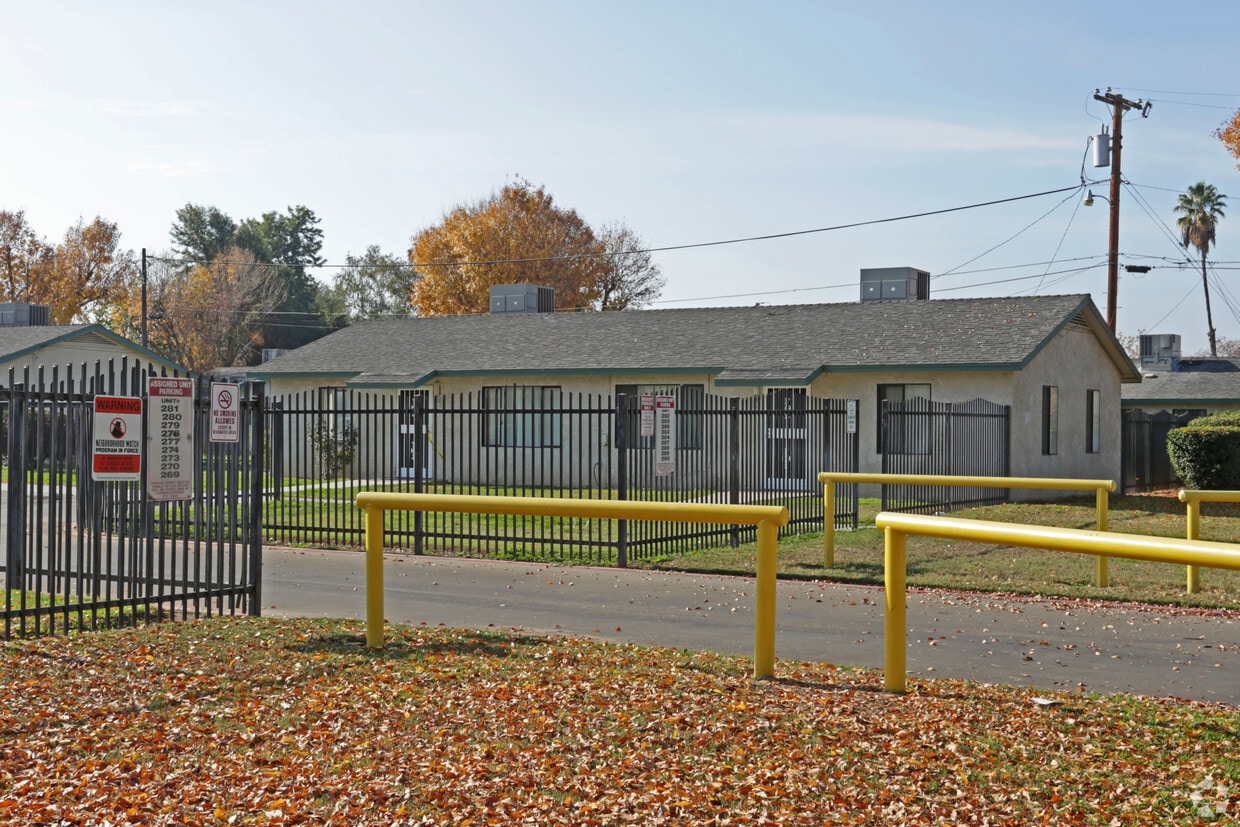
280 722
964 566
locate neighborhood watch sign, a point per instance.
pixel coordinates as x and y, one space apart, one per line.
117 453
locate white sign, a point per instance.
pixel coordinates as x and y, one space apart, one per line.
117 449
852 417
225 412
665 436
647 415
170 439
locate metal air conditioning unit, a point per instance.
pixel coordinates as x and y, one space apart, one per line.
522 298
881 284
1160 351
24 315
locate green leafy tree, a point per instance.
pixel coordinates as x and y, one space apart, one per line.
371 285
201 233
292 242
1200 208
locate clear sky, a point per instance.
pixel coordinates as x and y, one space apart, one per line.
691 122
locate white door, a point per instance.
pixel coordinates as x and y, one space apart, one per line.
407 441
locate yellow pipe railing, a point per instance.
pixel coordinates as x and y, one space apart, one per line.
767 519
1193 500
895 527
830 478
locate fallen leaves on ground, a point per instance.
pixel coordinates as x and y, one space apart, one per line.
273 722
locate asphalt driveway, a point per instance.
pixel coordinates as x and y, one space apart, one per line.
1044 643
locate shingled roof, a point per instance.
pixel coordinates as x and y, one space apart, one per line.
1198 381
20 342
781 344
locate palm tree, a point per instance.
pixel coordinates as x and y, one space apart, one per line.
1200 208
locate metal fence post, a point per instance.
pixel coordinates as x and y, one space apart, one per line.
419 464
620 429
255 556
734 461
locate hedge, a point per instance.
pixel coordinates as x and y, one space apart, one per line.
1205 454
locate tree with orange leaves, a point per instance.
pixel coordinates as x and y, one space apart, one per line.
521 236
1229 134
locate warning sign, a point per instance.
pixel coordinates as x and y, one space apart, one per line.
225 412
117 453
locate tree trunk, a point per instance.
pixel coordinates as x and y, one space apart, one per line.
1205 285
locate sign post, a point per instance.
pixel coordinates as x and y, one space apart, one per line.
170 439
117 447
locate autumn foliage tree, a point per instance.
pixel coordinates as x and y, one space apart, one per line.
1229 134
85 270
520 235
209 315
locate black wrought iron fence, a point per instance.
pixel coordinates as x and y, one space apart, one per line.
921 436
1145 465
83 552
327 444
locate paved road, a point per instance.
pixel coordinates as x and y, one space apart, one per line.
1040 643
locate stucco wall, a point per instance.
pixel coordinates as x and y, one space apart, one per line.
1074 361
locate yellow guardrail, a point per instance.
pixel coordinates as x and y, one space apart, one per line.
896 527
830 478
1193 500
767 519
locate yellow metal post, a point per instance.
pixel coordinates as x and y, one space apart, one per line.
764 627
828 523
374 577
895 571
1100 506
1194 533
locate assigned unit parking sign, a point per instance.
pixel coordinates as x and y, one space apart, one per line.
117 448
170 439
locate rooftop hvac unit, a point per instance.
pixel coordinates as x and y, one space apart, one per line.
270 353
894 284
522 298
1160 351
24 315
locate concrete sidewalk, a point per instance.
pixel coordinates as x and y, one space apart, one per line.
1051 644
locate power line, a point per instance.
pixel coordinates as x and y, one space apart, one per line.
674 247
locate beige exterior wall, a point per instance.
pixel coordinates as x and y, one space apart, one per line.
1074 362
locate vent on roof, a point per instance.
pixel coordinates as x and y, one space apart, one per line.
884 284
1160 351
522 298
24 315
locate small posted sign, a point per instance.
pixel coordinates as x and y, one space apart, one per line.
117 446
170 439
665 436
225 412
647 428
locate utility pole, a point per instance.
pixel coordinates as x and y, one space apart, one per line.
145 339
1119 105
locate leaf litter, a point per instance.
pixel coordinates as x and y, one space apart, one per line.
281 722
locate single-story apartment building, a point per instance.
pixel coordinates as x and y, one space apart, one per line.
28 341
1052 359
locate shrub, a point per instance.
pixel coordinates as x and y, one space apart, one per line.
334 446
1206 453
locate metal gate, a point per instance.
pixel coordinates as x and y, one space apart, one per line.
82 553
920 436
